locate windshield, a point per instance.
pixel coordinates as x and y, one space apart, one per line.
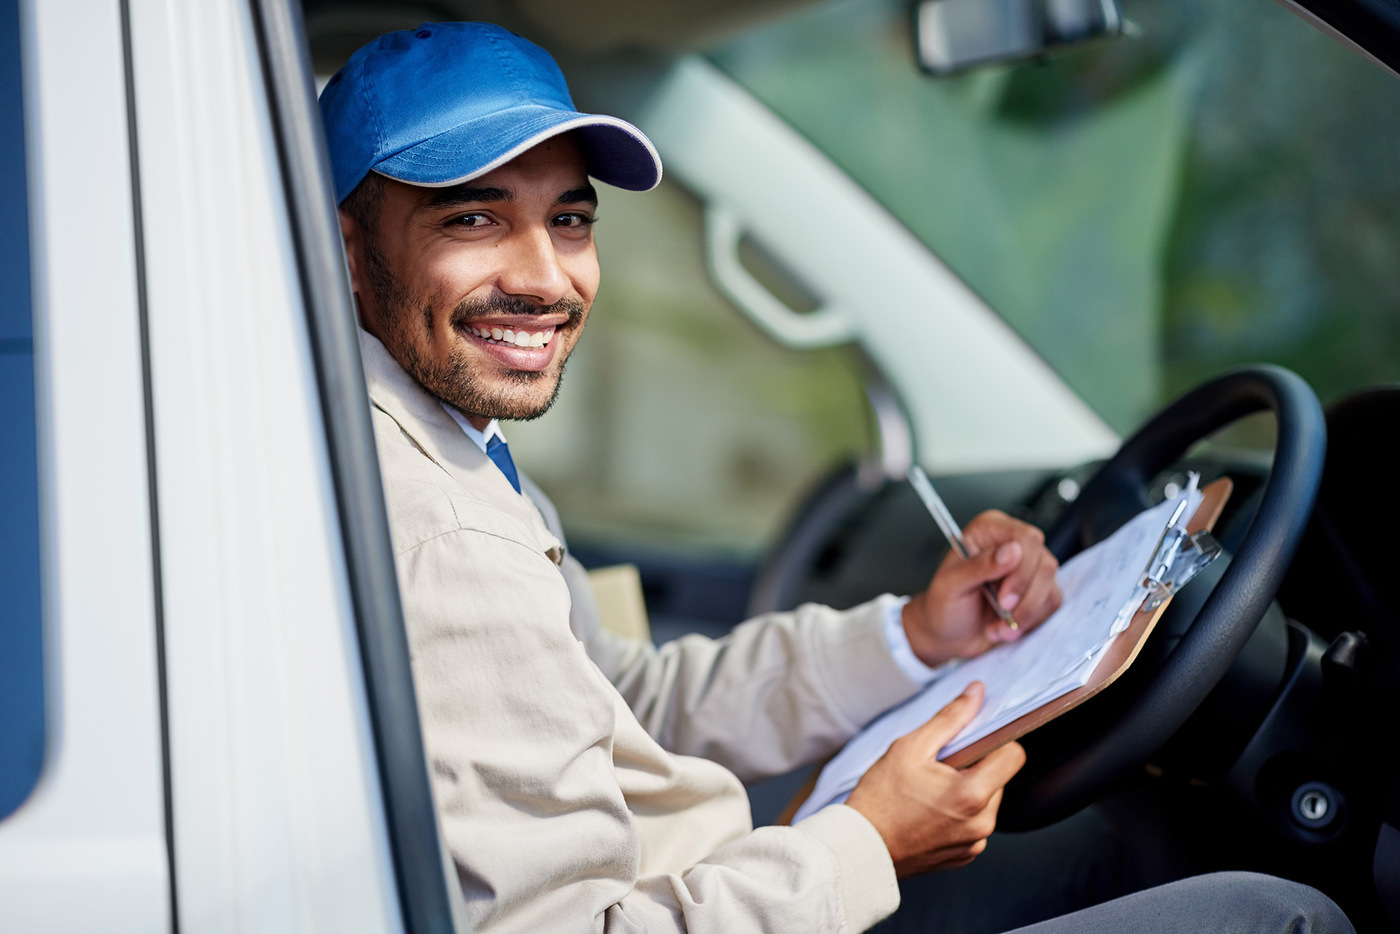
1222 187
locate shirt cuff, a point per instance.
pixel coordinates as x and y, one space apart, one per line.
865 879
902 652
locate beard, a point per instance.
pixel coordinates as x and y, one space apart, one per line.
525 394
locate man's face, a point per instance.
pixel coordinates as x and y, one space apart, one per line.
481 291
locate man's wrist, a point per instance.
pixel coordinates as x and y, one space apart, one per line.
931 652
902 649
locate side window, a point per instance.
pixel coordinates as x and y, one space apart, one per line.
21 637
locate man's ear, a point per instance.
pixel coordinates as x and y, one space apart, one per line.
354 237
354 244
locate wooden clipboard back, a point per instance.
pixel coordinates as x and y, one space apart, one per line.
1120 655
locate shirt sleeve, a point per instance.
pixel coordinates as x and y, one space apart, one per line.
525 745
828 873
780 691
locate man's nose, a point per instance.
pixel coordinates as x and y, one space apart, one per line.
531 268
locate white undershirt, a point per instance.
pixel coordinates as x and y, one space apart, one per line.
900 649
479 438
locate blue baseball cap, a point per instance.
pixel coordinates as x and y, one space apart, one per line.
446 102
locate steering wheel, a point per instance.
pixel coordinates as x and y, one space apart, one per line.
1162 701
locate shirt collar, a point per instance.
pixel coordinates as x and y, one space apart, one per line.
493 429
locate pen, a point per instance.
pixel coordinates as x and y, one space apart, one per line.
920 482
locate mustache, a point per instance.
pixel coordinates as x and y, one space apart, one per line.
471 310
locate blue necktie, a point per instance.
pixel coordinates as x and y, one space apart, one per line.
497 450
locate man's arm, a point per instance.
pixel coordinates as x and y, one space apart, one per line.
780 691
924 816
562 815
560 812
786 689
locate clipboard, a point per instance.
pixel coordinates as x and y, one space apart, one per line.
1120 655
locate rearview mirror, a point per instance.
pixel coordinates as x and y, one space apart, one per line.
954 35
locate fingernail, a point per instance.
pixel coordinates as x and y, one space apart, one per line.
1009 601
1007 552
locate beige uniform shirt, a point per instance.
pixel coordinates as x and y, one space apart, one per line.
587 783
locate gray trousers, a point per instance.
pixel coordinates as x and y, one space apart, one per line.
1225 902
1076 877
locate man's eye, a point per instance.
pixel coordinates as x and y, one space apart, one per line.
574 220
470 220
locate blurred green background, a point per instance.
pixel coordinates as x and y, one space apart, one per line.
1222 188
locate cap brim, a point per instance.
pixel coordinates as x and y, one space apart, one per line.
615 152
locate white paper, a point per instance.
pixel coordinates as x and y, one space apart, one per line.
1101 592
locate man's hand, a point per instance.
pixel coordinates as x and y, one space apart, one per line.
931 815
952 619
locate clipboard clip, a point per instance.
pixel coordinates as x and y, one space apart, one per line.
1178 557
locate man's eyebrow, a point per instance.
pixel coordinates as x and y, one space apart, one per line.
459 195
584 194
468 194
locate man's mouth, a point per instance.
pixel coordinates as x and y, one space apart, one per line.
513 336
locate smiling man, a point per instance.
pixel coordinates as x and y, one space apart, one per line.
586 782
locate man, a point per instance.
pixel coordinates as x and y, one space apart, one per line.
586 782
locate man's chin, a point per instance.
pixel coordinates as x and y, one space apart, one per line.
479 391
523 397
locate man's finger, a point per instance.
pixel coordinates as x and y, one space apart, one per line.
1041 596
991 532
957 854
949 722
1015 587
984 567
1011 592
997 767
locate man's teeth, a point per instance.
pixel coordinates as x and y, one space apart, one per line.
518 338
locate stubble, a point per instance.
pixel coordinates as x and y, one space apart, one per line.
452 380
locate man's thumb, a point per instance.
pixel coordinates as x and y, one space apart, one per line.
943 726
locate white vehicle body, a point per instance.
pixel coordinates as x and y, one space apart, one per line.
183 427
